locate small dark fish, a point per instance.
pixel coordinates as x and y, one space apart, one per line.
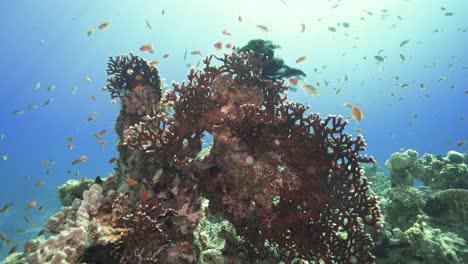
282 1
442 8
163 12
379 58
404 42
32 107
262 28
41 232
6 208
345 25
449 14
148 24
332 29
402 56
98 180
48 101
13 249
18 112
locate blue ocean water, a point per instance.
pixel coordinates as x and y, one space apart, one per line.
46 42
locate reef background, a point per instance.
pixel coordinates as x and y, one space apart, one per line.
68 56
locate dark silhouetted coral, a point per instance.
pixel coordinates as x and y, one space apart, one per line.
273 68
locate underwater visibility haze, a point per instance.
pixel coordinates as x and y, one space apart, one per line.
285 131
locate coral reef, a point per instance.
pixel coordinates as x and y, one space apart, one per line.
403 168
447 172
265 148
72 189
422 243
423 224
73 230
449 210
132 73
284 185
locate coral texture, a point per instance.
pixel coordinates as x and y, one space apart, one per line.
289 182
73 230
423 224
127 73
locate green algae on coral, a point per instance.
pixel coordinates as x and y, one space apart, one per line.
72 189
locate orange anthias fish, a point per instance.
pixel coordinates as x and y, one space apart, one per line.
90 32
293 81
39 183
138 77
147 48
138 88
89 119
310 89
30 205
196 52
300 59
357 113
112 160
102 132
109 179
227 32
81 159
154 63
218 45
27 246
145 195
130 182
104 25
